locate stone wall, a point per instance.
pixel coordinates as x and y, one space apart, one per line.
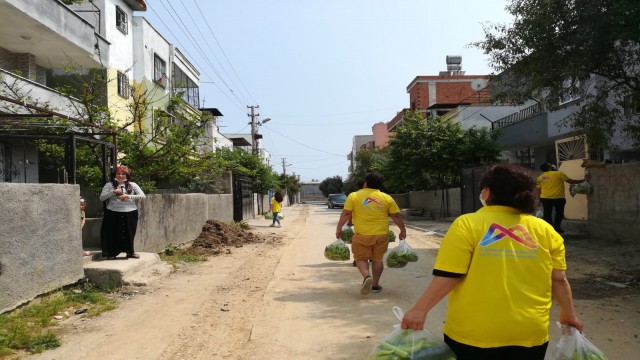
40 244
614 205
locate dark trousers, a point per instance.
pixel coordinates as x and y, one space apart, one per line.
467 352
550 205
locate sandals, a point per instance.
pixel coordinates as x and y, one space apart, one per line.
133 256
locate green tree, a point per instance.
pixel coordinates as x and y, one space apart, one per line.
425 155
331 185
586 48
367 161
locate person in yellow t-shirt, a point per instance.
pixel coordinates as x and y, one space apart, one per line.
275 206
369 209
551 185
500 267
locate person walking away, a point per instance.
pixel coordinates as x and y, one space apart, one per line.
370 209
500 267
551 185
275 207
120 221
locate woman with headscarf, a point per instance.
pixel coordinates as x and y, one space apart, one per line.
120 220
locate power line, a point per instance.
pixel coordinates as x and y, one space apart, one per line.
303 144
223 53
194 43
211 51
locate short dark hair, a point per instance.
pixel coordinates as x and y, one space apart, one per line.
374 181
360 184
511 185
545 167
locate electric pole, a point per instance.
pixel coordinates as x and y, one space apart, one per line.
254 128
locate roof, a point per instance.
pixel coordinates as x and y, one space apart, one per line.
240 141
137 5
213 111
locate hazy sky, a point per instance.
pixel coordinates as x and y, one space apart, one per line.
323 71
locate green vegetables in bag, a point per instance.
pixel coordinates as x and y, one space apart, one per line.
347 234
337 251
401 256
404 346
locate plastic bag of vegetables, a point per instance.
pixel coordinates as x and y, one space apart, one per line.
392 236
582 188
410 344
337 251
573 345
401 255
347 234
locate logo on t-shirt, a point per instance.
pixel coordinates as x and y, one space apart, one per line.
371 200
517 233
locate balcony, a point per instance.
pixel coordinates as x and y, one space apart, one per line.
516 117
52 32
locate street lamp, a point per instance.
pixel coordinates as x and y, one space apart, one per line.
254 133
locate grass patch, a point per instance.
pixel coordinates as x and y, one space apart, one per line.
31 328
173 255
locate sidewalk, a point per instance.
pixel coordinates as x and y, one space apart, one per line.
428 225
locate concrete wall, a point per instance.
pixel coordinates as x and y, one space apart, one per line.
432 201
40 244
41 241
169 219
614 206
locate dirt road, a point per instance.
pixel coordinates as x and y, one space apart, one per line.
281 299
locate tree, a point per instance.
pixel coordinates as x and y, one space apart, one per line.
367 161
586 48
430 154
331 185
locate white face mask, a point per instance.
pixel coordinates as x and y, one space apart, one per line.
482 200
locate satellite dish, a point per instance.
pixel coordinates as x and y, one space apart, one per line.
479 84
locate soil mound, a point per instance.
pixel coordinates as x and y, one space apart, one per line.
216 236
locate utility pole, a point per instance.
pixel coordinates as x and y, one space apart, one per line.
254 128
284 173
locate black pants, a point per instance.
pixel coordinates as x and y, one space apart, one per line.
550 205
467 352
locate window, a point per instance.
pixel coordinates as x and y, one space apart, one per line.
121 20
186 87
571 91
631 105
123 85
159 70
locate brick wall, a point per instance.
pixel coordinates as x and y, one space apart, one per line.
24 64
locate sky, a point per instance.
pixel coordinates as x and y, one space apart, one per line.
322 71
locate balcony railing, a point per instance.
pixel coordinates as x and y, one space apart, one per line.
523 114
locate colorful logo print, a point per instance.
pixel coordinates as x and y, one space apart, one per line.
371 200
517 233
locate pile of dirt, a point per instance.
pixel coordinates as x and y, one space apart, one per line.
216 236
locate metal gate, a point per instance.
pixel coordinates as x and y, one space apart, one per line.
469 192
242 198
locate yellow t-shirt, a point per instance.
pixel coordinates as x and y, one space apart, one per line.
371 209
551 184
275 206
505 297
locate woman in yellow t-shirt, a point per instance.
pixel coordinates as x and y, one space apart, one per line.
500 267
275 206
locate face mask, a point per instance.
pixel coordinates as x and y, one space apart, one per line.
482 200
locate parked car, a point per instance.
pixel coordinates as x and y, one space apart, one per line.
336 200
